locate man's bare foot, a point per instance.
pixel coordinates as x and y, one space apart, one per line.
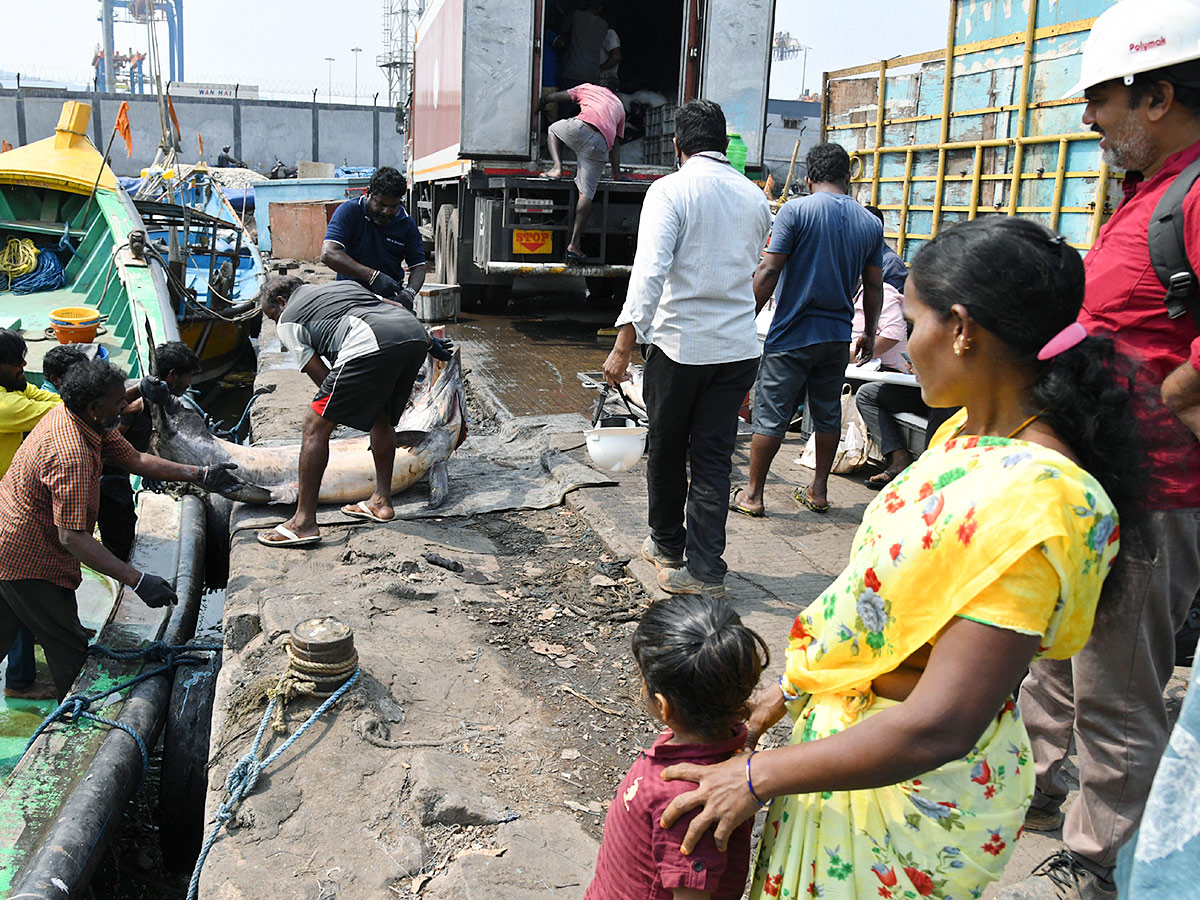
36 691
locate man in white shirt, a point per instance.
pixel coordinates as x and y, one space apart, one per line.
691 306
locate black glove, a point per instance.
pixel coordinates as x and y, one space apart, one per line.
408 297
384 285
219 477
154 390
441 348
155 591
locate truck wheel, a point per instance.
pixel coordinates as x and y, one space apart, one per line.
184 780
442 272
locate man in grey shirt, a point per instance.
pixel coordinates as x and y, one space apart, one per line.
377 348
691 306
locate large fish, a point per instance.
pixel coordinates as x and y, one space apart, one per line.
432 426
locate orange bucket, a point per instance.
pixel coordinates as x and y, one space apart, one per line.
75 324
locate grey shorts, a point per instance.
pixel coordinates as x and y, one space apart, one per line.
785 376
591 152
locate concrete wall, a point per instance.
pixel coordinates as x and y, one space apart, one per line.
258 130
780 142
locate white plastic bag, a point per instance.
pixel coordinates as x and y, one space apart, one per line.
852 447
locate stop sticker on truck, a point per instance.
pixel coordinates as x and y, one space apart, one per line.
531 241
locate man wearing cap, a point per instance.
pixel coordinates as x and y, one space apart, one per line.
1141 82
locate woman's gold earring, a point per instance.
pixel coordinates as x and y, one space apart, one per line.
958 350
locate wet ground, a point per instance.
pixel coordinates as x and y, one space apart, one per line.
528 355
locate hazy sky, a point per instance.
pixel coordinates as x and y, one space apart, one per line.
281 45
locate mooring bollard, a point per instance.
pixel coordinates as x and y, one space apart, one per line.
321 650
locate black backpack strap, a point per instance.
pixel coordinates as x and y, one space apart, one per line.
1168 249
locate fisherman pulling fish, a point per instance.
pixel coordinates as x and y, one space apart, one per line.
49 500
377 349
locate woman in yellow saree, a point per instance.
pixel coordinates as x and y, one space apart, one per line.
909 771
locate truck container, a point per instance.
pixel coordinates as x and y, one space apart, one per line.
996 138
477 137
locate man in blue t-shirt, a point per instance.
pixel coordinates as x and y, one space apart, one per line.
371 239
821 244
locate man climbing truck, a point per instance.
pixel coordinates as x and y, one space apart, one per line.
478 138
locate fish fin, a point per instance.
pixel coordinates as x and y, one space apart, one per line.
439 484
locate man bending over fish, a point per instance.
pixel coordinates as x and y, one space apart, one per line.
376 348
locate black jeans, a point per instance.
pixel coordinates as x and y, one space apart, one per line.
693 414
50 612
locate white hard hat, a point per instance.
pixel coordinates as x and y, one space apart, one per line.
615 449
1138 36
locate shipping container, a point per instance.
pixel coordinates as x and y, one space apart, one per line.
477 137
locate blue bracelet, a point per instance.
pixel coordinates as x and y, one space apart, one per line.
750 782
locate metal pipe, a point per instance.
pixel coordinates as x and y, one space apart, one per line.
992 142
976 183
947 92
1101 202
1060 183
881 101
106 37
1014 189
517 268
955 114
902 240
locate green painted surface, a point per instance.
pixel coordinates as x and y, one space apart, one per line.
20 718
99 275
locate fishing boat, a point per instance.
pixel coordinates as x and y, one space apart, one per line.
60 803
215 270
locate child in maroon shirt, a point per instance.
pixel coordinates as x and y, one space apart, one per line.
699 665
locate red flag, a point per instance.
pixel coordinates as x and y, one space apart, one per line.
122 127
174 119
200 141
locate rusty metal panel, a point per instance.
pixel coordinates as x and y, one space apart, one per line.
1005 107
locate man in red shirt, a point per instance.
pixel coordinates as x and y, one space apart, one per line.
1141 81
593 136
49 498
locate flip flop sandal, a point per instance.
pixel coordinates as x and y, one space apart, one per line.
293 539
801 497
565 176
880 480
575 257
736 507
360 510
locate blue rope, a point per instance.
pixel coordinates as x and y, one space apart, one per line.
242 778
75 707
48 276
50 273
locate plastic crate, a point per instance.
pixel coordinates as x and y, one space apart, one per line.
660 120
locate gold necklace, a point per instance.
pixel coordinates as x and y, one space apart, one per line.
1012 434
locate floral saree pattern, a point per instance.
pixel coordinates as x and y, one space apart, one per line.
996 530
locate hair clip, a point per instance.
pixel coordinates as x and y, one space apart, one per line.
1064 340
1057 240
